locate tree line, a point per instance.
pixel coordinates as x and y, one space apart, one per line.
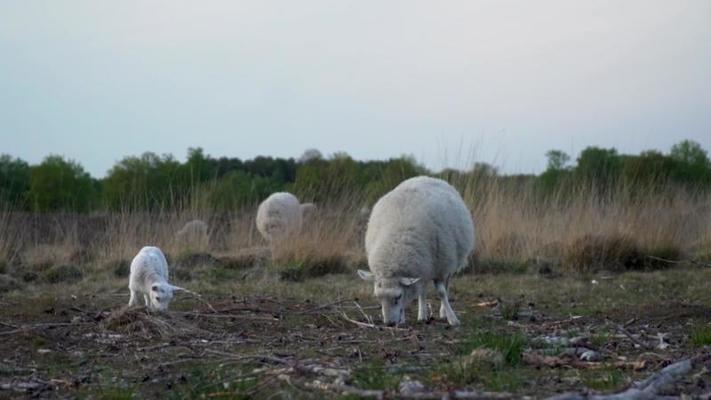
157 182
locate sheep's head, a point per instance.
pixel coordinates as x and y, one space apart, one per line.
394 295
161 295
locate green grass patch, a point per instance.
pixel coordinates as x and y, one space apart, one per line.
374 376
701 336
458 374
510 346
217 383
605 380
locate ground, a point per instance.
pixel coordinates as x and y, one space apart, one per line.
253 335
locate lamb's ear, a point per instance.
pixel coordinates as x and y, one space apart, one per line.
366 276
408 281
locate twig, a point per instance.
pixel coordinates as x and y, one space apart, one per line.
367 317
635 341
372 326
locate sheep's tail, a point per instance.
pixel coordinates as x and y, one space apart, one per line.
197 295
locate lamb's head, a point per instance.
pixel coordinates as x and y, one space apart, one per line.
394 295
161 294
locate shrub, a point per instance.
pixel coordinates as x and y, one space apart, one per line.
63 273
593 253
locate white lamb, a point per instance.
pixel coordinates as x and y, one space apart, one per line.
149 278
421 231
279 217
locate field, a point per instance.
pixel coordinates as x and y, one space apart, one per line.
589 295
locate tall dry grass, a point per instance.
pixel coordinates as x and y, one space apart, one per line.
514 224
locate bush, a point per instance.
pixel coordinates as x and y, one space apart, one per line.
63 273
8 283
593 253
314 267
120 268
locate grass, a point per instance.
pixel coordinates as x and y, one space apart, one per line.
701 336
374 376
605 380
510 346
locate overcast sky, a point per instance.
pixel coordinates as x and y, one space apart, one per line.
449 82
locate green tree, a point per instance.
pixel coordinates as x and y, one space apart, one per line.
60 185
14 181
692 163
600 167
146 182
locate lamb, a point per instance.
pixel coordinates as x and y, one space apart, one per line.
193 233
149 278
279 217
420 231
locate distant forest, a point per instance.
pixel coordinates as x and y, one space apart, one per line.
160 182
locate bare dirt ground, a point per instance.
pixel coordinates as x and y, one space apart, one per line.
522 335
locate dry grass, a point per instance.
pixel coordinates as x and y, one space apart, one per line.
579 231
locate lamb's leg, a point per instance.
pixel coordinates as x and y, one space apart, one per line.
442 294
421 302
442 308
132 301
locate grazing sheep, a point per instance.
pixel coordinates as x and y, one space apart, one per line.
149 278
308 210
421 231
279 217
193 233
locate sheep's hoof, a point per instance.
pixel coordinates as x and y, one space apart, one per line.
454 321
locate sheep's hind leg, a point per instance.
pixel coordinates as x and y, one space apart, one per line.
442 294
422 302
442 308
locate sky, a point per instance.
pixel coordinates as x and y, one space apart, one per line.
449 82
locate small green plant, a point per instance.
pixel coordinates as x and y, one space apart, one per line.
701 336
600 339
509 311
374 376
511 346
215 383
605 380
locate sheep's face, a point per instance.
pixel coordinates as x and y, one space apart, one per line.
160 296
394 295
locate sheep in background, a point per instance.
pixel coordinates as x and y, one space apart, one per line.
421 231
279 217
193 234
149 278
308 211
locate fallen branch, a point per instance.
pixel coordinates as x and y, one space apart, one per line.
372 326
646 389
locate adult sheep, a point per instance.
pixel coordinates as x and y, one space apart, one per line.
149 279
421 231
279 217
193 233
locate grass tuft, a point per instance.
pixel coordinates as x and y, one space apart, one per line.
701 336
510 346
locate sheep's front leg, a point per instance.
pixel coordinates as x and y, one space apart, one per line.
132 301
422 302
442 294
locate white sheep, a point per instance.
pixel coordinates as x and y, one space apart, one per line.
279 217
308 211
193 233
421 231
149 278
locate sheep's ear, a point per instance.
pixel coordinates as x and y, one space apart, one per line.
408 281
177 288
366 276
